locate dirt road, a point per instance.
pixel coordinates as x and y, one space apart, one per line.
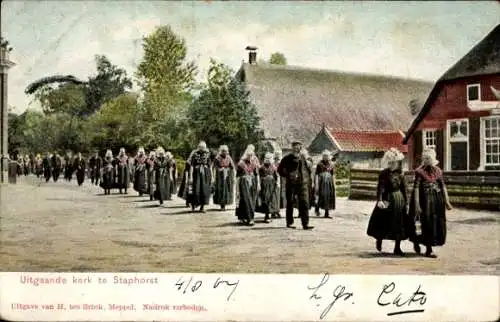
63 227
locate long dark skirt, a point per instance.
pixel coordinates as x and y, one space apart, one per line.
245 210
122 177
151 184
432 219
185 189
68 172
80 176
56 173
326 191
108 178
162 192
47 173
140 184
224 186
201 186
390 223
269 196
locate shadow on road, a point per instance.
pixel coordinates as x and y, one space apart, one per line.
144 200
263 228
226 224
178 206
385 255
150 206
184 212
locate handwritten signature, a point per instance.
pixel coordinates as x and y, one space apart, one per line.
387 298
338 293
188 285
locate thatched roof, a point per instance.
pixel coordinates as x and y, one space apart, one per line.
482 59
294 102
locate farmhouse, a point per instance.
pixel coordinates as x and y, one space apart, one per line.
294 102
461 116
362 149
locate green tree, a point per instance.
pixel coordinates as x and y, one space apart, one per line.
277 59
110 82
223 113
164 74
115 124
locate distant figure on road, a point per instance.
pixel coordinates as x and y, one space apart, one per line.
200 175
122 171
95 166
389 218
277 161
247 186
150 168
38 165
140 175
428 205
27 165
108 173
79 166
47 167
173 169
56 162
224 172
163 176
68 166
324 184
269 194
297 172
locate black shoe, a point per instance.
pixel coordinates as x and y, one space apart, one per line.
398 252
416 248
378 245
308 227
291 226
328 216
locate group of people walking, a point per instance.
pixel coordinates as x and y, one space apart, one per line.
267 187
419 216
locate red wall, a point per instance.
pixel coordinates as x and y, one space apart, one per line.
451 102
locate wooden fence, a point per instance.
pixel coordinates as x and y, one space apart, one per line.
468 189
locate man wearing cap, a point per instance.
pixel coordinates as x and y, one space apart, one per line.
297 172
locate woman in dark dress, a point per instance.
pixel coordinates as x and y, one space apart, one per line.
277 161
162 176
247 186
200 175
140 175
324 184
47 167
122 171
186 187
108 173
428 205
79 166
269 195
389 218
150 168
224 172
173 169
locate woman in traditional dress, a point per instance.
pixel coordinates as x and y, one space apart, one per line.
269 195
108 173
200 175
79 166
140 175
186 188
224 178
56 161
277 161
150 168
68 167
38 165
172 165
47 167
27 167
122 171
247 186
428 205
324 184
162 176
389 218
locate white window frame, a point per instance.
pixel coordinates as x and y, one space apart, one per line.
424 138
482 138
478 92
449 140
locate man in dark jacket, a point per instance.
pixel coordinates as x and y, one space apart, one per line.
297 172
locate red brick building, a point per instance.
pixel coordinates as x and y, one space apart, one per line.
461 116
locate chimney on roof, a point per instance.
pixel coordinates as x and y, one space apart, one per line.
252 55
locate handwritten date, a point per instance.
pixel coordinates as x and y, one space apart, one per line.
188 285
339 293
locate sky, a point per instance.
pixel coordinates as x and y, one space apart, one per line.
419 40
